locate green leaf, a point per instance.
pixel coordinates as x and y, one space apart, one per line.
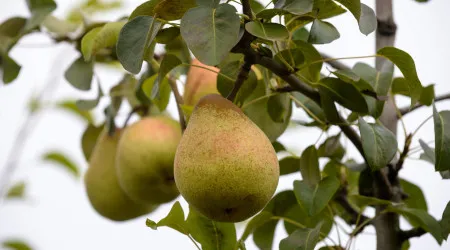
173 9
344 93
289 165
428 153
298 7
416 197
166 36
168 63
162 99
331 148
368 20
16 191
145 9
379 144
406 65
90 104
211 33
134 41
100 38
89 139
380 81
427 95
254 4
10 69
309 106
297 214
16 245
270 13
209 3
322 32
328 106
421 218
175 220
59 27
312 72
267 31
257 221
60 159
39 9
80 74
255 107
309 166
278 206
293 57
263 235
315 198
445 222
442 139
354 6
210 234
278 106
405 245
10 32
278 146
305 239
71 107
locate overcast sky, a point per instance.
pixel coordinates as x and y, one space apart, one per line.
56 213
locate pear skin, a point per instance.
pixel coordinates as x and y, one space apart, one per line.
225 166
199 82
145 159
102 186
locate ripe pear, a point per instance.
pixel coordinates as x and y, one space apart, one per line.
102 186
225 166
145 157
199 82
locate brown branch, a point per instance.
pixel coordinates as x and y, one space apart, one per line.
297 85
179 101
356 218
143 108
242 76
407 110
415 232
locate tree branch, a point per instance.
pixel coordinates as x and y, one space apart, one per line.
356 218
415 232
297 85
407 110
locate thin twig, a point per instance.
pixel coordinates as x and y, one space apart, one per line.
134 110
179 100
242 76
407 110
333 63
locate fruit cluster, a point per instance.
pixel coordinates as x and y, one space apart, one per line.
223 164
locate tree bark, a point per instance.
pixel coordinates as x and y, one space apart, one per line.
387 225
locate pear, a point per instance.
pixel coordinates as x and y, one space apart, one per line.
199 82
145 157
225 166
102 186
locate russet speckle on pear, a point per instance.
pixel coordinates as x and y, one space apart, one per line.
145 159
102 186
225 166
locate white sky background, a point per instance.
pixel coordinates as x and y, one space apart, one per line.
56 213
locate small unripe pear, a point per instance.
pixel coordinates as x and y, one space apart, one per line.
102 186
145 158
199 82
225 166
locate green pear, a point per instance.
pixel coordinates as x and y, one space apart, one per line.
102 186
199 82
225 166
145 157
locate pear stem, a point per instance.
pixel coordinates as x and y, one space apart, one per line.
179 100
242 76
